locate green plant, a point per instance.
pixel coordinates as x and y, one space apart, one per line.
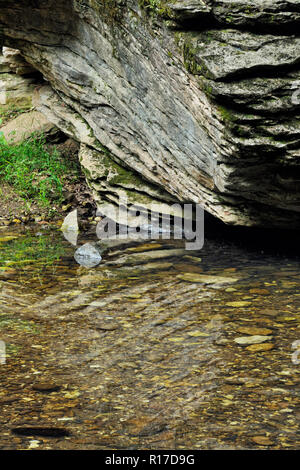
36 172
25 250
151 5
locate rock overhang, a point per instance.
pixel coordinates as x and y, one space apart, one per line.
204 115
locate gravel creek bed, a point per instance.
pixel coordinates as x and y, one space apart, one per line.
156 348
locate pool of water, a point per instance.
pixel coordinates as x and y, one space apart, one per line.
155 348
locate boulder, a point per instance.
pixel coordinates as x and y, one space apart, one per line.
26 124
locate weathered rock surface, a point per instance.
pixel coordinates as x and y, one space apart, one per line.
15 62
198 98
270 13
15 91
26 124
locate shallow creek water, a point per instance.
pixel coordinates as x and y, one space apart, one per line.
156 348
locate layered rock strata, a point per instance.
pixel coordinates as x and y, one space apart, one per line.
18 80
189 101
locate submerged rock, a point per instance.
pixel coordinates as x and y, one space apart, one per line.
88 256
179 101
248 330
255 339
263 441
46 387
260 347
206 279
145 257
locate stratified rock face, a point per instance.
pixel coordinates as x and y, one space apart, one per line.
237 12
17 81
13 62
191 101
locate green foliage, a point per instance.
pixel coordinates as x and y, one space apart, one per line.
29 249
35 172
157 8
151 5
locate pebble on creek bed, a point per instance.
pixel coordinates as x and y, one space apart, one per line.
45 387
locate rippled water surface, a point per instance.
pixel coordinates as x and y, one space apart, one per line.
156 348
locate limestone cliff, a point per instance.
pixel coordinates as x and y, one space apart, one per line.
187 100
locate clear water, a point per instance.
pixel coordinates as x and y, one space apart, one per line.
143 352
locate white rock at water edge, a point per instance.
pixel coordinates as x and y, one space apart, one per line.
88 256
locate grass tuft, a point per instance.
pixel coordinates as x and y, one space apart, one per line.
36 173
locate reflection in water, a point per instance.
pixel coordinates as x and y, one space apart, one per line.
70 228
155 348
71 236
